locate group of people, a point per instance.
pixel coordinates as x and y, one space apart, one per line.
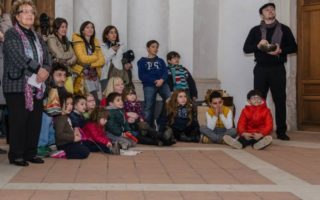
90 100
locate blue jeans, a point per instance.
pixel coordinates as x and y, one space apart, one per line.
150 94
47 133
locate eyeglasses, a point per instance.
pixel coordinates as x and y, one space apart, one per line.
255 98
216 103
27 12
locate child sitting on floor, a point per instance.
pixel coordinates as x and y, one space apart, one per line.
182 118
76 116
68 138
254 125
96 138
145 134
117 127
219 120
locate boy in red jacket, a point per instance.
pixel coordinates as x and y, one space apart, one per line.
255 124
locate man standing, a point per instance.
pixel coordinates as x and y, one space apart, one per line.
270 42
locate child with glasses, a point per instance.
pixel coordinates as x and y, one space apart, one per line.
254 125
219 120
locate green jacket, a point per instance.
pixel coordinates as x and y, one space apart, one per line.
117 123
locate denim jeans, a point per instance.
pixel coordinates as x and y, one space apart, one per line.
150 94
47 133
217 134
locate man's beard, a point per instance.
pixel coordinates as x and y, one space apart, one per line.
271 18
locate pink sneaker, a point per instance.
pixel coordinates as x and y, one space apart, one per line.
58 154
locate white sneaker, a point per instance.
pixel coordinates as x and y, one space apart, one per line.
232 142
263 143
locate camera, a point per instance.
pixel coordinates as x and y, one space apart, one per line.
115 44
128 57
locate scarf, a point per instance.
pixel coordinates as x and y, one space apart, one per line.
179 77
277 34
28 89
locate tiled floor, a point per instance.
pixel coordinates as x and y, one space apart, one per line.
185 171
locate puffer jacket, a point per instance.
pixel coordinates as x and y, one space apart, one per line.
96 60
255 119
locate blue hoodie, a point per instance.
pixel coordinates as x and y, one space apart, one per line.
152 69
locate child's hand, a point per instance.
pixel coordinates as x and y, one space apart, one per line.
132 115
159 82
131 120
77 135
257 136
77 138
217 111
247 136
109 145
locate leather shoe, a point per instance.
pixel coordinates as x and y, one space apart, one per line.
36 160
283 137
19 162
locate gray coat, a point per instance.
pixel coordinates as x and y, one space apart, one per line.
17 65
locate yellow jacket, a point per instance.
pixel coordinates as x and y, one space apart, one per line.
96 60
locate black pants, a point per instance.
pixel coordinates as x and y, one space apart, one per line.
75 150
273 77
189 133
245 142
96 147
24 127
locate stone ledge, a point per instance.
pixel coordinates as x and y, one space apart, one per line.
202 85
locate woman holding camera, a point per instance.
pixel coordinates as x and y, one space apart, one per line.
113 54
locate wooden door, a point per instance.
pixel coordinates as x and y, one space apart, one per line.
308 75
43 6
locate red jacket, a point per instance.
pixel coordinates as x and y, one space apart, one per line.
103 102
255 119
96 133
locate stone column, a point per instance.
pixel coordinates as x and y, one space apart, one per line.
64 9
147 20
120 18
98 12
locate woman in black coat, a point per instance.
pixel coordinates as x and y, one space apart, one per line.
26 68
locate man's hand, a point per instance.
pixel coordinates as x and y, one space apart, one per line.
262 42
159 82
42 75
277 51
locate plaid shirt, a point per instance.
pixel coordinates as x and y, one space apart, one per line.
17 65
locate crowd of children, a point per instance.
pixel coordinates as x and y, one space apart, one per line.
120 121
